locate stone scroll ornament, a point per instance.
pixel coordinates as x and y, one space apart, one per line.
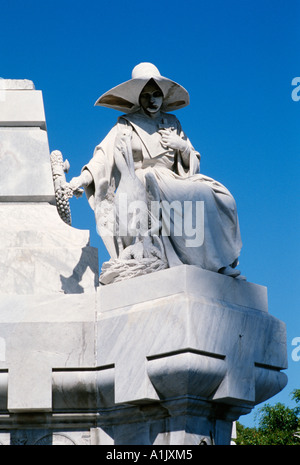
153 208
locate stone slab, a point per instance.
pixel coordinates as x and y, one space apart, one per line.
47 308
170 362
25 166
48 270
40 334
37 224
46 436
186 316
16 84
30 385
181 279
21 108
40 254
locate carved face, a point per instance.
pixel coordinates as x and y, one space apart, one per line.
151 98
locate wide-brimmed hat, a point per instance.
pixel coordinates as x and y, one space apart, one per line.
125 96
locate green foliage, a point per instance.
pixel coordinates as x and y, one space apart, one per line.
278 418
276 426
296 395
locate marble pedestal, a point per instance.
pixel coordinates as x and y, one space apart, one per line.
169 358
172 357
189 352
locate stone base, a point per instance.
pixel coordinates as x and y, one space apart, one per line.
40 254
196 345
170 358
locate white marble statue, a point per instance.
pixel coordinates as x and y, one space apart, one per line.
153 208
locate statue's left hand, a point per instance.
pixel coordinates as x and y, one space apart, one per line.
172 140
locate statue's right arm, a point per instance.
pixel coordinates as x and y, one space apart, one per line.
83 180
99 166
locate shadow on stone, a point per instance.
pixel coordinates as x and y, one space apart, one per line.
75 284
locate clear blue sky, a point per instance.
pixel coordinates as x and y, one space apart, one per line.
236 58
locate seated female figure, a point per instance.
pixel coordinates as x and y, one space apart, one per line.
145 177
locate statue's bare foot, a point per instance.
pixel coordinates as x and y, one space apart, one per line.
233 272
229 271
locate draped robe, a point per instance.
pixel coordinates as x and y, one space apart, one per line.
179 180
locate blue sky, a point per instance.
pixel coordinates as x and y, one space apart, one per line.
237 59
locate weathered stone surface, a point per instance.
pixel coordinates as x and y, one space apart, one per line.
16 84
28 225
218 326
40 254
25 166
40 334
167 370
20 108
182 279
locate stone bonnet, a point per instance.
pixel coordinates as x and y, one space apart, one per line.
125 96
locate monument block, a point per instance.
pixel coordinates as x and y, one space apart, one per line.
176 345
188 341
21 104
24 150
